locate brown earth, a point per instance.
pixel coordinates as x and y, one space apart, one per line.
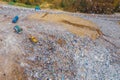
75 25
10 69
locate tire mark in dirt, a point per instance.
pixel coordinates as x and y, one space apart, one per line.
45 15
82 26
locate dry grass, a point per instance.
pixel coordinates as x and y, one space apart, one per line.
45 5
75 25
1 2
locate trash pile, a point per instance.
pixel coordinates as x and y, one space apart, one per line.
53 53
60 55
50 56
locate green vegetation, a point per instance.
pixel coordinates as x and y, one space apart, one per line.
11 3
24 5
87 6
21 4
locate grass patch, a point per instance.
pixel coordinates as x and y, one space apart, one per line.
21 5
11 3
24 5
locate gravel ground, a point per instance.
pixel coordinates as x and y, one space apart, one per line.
61 55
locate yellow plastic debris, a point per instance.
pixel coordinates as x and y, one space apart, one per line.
33 39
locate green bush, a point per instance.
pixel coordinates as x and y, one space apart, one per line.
62 4
28 3
117 7
11 3
14 0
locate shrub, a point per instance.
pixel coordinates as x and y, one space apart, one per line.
11 3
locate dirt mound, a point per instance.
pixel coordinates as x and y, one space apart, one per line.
10 70
75 25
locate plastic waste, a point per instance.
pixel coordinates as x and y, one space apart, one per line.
15 19
18 29
37 8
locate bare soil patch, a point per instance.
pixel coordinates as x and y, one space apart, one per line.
78 26
10 69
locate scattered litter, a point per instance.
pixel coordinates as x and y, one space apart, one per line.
33 39
15 19
18 29
37 8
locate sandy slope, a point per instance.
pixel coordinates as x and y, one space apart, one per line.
75 25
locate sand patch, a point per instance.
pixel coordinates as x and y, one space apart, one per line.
75 25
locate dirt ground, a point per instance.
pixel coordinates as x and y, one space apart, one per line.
10 69
75 25
9 52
